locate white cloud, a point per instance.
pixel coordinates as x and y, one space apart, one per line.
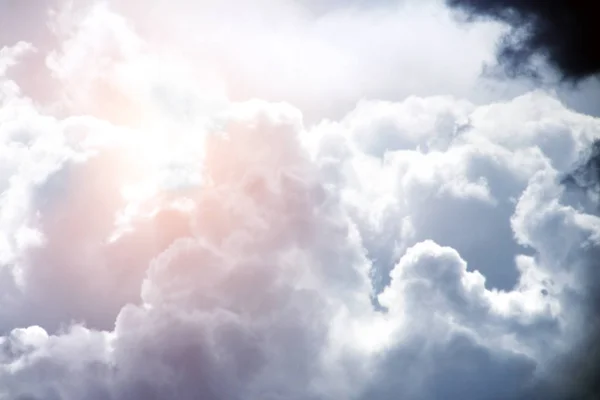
322 62
160 239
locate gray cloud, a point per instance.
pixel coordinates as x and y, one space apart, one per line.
255 277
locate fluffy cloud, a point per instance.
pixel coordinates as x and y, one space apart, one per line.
163 237
317 51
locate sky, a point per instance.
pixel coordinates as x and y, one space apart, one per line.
296 199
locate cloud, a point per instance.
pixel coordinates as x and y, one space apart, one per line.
562 36
162 237
309 62
473 181
561 33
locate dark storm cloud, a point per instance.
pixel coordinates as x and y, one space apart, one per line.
563 33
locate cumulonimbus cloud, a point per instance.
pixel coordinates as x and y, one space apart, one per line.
563 35
161 240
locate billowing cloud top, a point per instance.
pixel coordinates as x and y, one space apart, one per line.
282 200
